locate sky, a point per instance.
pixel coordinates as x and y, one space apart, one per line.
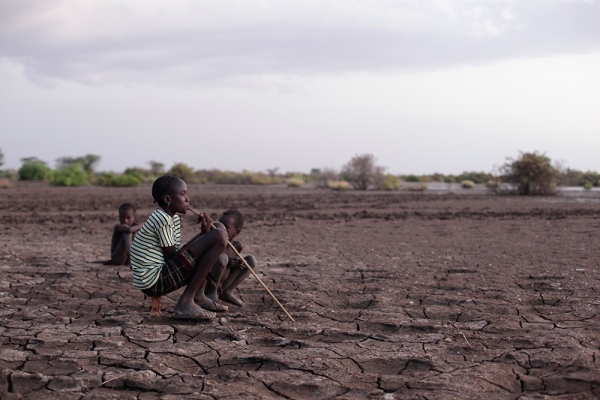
424 85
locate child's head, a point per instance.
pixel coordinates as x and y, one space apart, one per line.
233 221
126 214
170 191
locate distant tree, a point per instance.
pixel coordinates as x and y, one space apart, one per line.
569 177
1 158
272 172
532 173
184 172
88 163
34 160
157 168
362 172
590 178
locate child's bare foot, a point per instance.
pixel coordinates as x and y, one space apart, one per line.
194 312
229 297
209 304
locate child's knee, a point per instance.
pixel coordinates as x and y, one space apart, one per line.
222 237
251 260
218 225
222 261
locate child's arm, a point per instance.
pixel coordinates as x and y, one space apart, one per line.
204 227
128 229
234 261
168 252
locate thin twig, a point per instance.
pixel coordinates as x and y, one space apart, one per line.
463 335
114 379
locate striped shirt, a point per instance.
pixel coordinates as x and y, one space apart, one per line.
160 230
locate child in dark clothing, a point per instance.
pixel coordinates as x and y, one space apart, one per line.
123 233
235 272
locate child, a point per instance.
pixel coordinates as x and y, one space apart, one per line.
160 265
120 246
229 271
236 271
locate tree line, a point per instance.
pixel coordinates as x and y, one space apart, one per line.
529 173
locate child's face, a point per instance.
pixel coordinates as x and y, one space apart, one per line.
179 198
229 223
126 217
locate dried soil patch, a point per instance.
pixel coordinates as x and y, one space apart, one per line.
396 295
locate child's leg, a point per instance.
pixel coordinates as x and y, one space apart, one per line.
121 250
236 276
206 249
206 296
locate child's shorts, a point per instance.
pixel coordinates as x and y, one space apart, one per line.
175 274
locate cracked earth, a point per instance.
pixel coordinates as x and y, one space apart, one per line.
396 295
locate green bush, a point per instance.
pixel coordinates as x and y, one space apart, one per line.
593 178
144 175
588 186
184 172
467 184
390 182
532 173
73 175
108 179
412 178
34 171
88 163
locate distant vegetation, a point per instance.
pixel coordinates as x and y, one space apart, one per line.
528 174
532 173
34 171
71 175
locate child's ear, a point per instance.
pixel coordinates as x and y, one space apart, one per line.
167 199
237 231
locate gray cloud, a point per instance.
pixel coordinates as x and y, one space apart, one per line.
100 44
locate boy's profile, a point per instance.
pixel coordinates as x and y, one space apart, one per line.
235 271
120 246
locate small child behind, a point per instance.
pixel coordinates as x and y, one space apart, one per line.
123 233
235 271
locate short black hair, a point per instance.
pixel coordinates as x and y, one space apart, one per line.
126 206
161 186
238 218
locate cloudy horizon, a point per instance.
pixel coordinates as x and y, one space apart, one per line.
425 86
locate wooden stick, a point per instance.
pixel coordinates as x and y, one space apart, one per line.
249 268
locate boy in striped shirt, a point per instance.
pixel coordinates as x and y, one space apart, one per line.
160 265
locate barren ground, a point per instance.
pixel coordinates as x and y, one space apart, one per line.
396 295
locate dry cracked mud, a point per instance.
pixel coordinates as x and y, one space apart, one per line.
396 296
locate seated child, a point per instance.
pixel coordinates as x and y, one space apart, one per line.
161 265
229 271
235 271
120 246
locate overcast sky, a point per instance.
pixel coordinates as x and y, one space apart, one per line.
424 85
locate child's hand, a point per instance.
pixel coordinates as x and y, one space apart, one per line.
236 263
205 222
